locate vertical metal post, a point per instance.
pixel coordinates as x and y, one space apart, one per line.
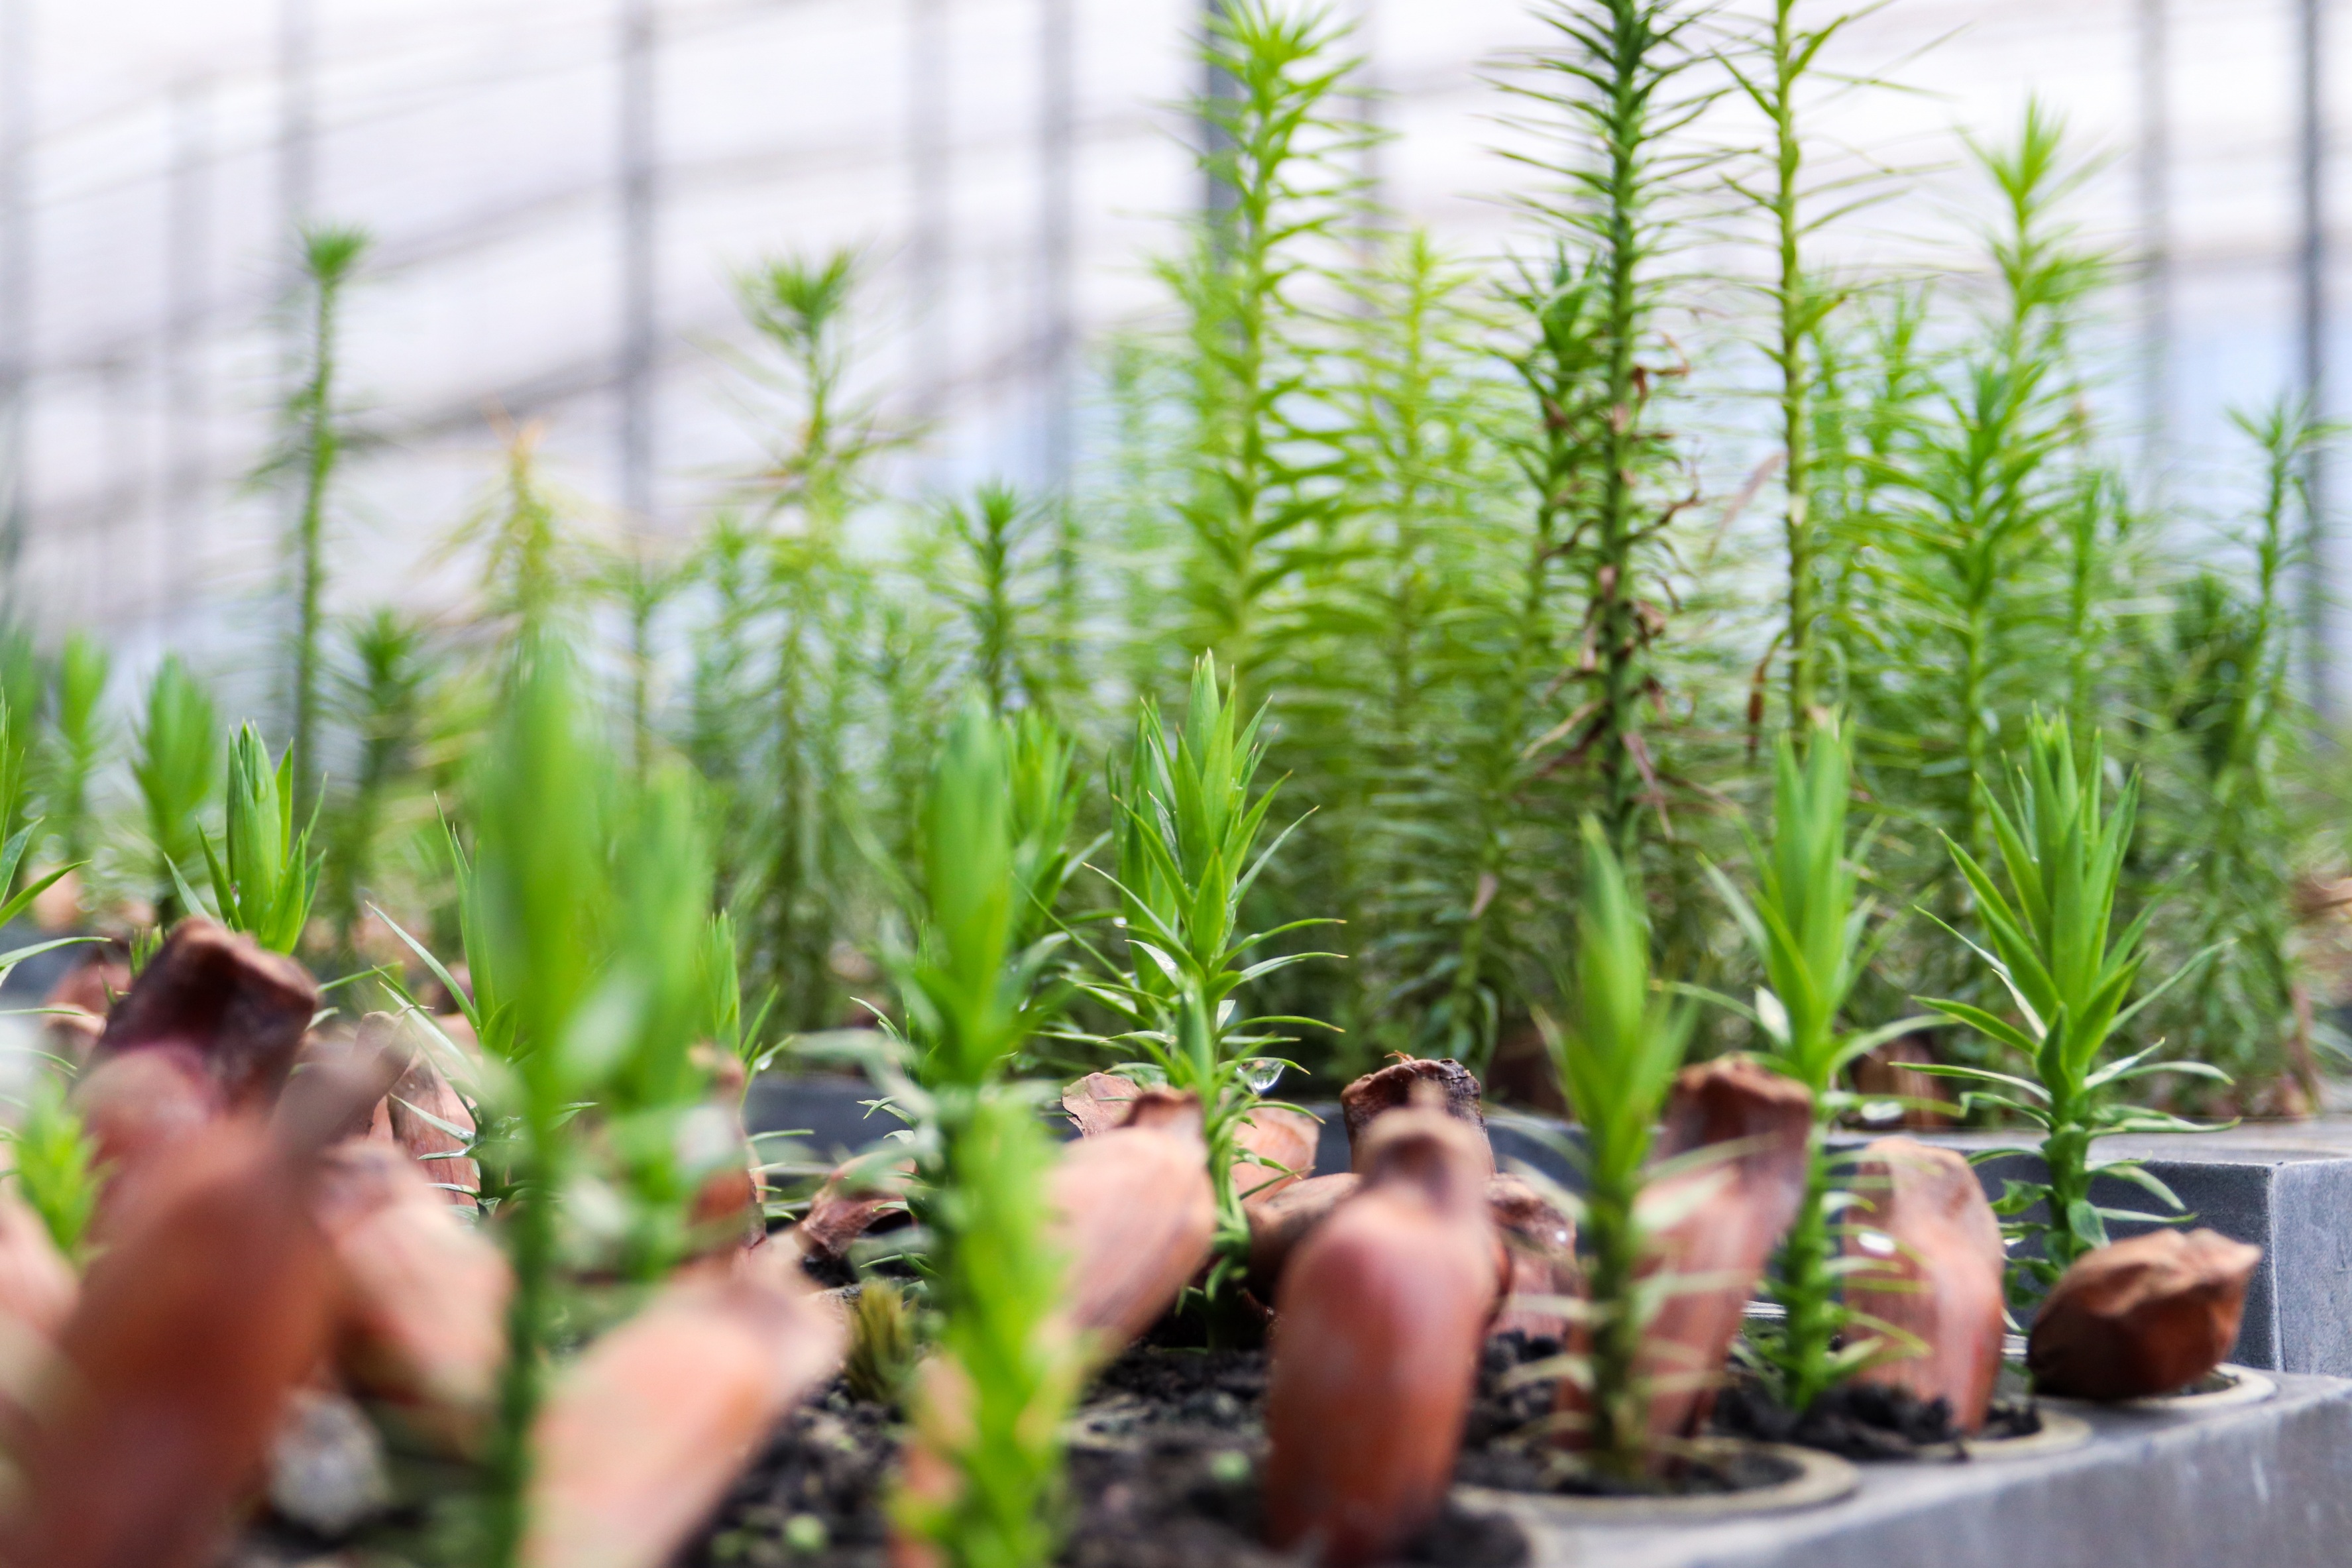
1056 238
187 287
16 285
1218 88
639 259
2314 323
2155 199
928 127
297 174
297 129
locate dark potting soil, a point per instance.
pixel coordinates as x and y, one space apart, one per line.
1189 1499
1164 1475
1502 1446
1163 1472
1865 1421
813 1496
1150 1388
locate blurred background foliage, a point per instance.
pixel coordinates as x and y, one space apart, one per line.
1495 541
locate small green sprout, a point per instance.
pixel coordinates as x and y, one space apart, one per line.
56 1166
1187 855
1812 932
2069 976
264 876
1617 1052
995 1279
177 768
883 1345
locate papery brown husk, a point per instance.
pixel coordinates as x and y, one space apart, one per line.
1939 1282
852 1200
1722 1222
1135 1216
1537 1244
241 1009
1538 1257
1284 1142
423 1090
1104 1102
2144 1317
137 1106
1281 1220
421 1297
210 1304
1378 1328
1099 1102
642 1436
1407 1082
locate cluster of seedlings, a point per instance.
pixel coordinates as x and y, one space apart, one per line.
499 1285
382 1192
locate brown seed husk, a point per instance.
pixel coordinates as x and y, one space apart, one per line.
642 1436
1135 1216
421 1297
1406 1083
241 1009
210 1305
1935 1243
1378 1323
2142 1317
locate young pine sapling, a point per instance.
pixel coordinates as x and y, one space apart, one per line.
1187 856
585 908
1811 932
1619 92
1281 163
994 1407
54 1162
2052 946
77 746
264 876
1776 81
382 700
1617 1051
315 439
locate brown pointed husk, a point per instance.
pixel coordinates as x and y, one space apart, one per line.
1921 1219
2143 1316
1378 1324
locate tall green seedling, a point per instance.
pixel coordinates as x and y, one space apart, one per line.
1614 86
812 597
1190 817
17 846
54 1166
1617 1050
586 905
384 696
1775 79
2220 683
1811 930
2051 943
24 682
315 441
994 535
1258 483
1012 1368
77 746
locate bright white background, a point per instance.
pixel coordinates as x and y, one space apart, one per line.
480 143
